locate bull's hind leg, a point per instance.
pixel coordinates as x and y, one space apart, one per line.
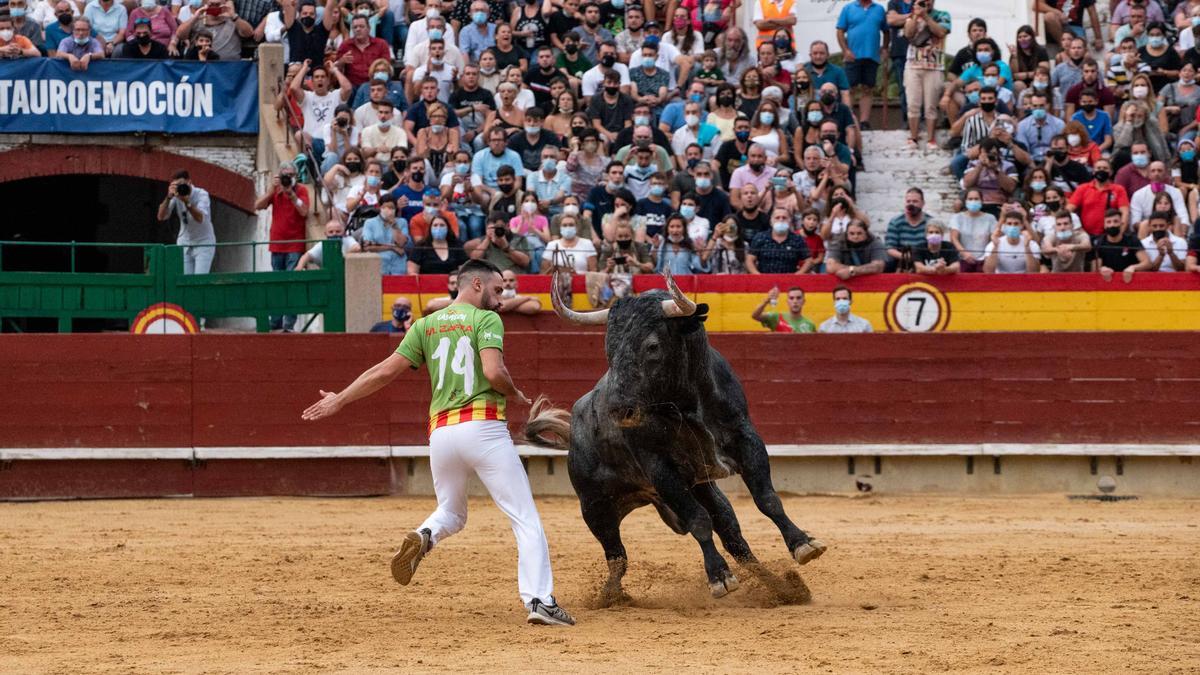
604 520
676 495
756 473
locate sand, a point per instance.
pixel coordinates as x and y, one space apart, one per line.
909 584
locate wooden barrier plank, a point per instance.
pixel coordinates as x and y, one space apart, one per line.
298 477
95 479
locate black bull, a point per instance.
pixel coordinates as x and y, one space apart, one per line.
667 419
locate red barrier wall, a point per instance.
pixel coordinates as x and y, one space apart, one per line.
248 390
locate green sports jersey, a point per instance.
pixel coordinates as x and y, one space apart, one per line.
784 323
448 342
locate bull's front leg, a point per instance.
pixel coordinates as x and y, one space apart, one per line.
677 496
756 473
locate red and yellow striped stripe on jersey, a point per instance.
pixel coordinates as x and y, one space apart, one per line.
479 410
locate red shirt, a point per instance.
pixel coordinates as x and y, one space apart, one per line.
418 229
1091 202
286 222
358 71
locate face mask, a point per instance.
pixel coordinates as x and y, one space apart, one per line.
641 120
437 128
1038 185
1024 43
529 207
987 106
1187 81
1012 231
767 118
695 98
142 40
841 306
1195 21
756 167
648 62
1040 84
1140 161
433 13
487 70
613 186
829 139
691 120
1089 108
1158 41
828 98
1053 206
6 35
780 227
532 130
401 314
974 205
1058 155
354 167
912 210
618 4
429 211
1073 139
933 239
687 211
983 58
435 34
1140 91
990 81
973 97
438 232
306 21
385 125
611 91
608 60
570 47
65 18
508 293
675 238
1187 155
779 182
1038 113
568 232
782 44
815 116
731 238
436 61
725 101
418 176
1102 176
703 183
657 190
570 210
480 18
625 244
146 5
81 41
1112 230
742 136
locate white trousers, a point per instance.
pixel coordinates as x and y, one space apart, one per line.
485 448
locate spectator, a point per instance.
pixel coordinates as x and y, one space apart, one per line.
345 177
363 201
140 46
380 138
162 23
504 247
487 162
13 46
401 319
779 251
600 200
306 36
1167 252
550 182
507 196
191 208
970 231
480 35
529 144
612 110
1042 218
921 71
648 83
433 26
678 253
1066 246
1066 172
1026 57
727 249
81 48
935 256
624 255
201 49
698 227
1118 250
1193 254
221 20
1013 248
109 19
438 68
651 211
513 303
822 72
334 230
427 208
752 216
793 321
448 299
289 204
59 27
377 89
1090 81
420 56
855 253
906 231
417 117
1142 202
440 254
859 29
317 106
639 173
578 254
974 126
843 321
533 226
1069 71
712 203
1136 174
995 177
1136 127
1080 147
387 235
473 106
693 131
464 193
1093 200
1097 122
1035 131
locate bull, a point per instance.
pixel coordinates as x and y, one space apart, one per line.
666 420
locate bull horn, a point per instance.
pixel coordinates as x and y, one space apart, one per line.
597 318
679 304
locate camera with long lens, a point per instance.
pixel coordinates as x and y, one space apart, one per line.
183 189
285 180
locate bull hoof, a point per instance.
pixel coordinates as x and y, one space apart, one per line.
808 551
722 588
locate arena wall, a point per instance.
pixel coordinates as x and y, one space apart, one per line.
113 415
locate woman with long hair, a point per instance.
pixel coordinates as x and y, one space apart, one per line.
441 253
750 91
678 253
1137 125
725 113
840 210
764 130
1025 57
565 107
435 139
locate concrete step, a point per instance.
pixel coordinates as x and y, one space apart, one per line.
891 168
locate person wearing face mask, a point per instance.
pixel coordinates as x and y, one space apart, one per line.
1185 171
1091 81
1097 122
479 35
1176 97
733 154
81 48
504 248
363 201
446 300
649 84
1134 175
821 73
779 250
463 192
1035 131
987 52
1161 56
650 213
313 258
529 145
1066 246
935 257
1012 249
753 172
612 110
625 255
694 131
401 319
906 231
532 226
162 23
1062 170
1092 200
387 235
1079 146
678 252
570 252
1141 203
410 191
380 138
1118 250
592 35
419 31
550 182
842 320
970 230
441 253
58 20
1042 218
712 203
855 253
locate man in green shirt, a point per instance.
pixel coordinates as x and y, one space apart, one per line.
462 347
793 321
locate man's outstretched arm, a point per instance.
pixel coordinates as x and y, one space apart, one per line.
372 380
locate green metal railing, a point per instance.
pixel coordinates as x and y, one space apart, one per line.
68 294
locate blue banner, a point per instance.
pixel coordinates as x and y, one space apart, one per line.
45 96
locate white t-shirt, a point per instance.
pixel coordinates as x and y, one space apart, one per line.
374 137
317 252
1045 224
524 100
318 113
1177 243
1011 258
576 256
445 79
594 78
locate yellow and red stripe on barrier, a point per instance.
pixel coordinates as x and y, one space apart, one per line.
911 303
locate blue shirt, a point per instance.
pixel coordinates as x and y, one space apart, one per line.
548 188
415 197
672 115
1097 128
833 73
471 43
1035 138
485 165
375 231
395 95
864 28
106 23
683 261
975 72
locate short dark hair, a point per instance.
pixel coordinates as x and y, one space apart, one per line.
506 170
182 173
977 22
796 288
476 268
1161 215
1113 212
841 287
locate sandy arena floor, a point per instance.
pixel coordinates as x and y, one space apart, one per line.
910 584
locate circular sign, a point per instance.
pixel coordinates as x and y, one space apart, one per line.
916 308
164 318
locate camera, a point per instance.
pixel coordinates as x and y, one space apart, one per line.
343 122
841 202
993 158
502 232
183 189
285 180
620 259
1159 234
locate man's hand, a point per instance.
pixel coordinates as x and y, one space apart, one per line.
1127 274
346 58
1106 273
523 398
843 273
848 55
276 186
773 295
328 406
173 190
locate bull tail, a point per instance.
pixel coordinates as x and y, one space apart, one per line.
548 427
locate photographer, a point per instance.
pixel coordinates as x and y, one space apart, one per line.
623 255
289 208
500 247
995 177
191 207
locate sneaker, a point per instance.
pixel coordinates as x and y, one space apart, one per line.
548 615
414 547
